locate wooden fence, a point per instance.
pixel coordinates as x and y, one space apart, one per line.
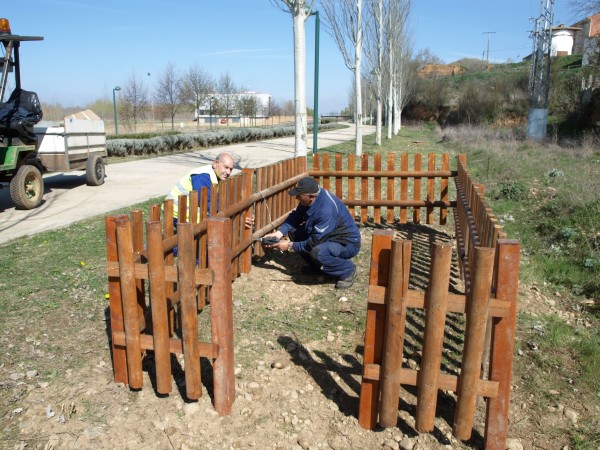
404 188
147 287
154 301
491 264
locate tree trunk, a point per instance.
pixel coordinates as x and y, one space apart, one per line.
300 82
358 79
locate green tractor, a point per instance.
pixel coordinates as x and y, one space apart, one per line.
19 164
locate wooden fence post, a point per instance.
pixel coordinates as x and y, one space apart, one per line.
119 354
396 299
131 318
186 263
158 304
378 276
478 300
436 300
502 345
221 310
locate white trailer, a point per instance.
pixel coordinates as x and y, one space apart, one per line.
77 143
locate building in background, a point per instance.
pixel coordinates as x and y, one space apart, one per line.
240 108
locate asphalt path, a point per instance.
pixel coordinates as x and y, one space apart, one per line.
67 198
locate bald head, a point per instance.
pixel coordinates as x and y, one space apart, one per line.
223 165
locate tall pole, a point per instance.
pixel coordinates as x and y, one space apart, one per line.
116 88
539 83
209 113
488 45
316 93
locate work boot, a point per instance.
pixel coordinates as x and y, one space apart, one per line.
347 282
310 270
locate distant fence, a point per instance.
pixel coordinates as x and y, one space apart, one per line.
405 186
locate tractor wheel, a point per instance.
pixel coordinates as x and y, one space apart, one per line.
94 172
27 187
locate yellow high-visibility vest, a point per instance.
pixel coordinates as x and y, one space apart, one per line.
184 186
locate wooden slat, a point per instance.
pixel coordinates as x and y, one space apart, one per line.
378 276
477 314
205 349
502 344
377 188
395 322
221 312
186 259
446 382
456 302
201 276
433 339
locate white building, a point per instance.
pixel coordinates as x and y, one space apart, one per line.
235 107
563 38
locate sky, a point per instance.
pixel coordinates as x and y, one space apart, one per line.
91 46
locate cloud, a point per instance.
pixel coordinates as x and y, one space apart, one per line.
241 50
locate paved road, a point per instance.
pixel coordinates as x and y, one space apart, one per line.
68 199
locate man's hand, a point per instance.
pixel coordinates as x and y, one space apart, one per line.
283 245
249 222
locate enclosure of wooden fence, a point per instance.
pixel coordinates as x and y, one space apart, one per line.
489 303
155 298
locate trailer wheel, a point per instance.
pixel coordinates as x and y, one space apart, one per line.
27 187
94 172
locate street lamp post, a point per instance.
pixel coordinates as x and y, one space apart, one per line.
210 100
116 88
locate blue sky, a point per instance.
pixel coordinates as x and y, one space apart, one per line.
92 46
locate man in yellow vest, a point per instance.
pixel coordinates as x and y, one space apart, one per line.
204 176
200 177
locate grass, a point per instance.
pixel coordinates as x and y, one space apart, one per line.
546 195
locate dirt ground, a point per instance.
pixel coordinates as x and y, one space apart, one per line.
298 350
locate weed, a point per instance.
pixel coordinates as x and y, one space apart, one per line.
510 190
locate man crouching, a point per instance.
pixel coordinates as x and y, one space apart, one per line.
322 231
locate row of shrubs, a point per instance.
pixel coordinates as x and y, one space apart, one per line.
188 141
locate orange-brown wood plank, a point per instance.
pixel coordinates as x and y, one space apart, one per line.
477 315
158 304
395 323
119 355
417 187
502 345
377 188
430 186
433 340
186 262
219 245
130 304
403 187
391 162
378 276
364 188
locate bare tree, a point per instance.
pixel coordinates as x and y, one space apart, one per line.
134 102
397 50
300 10
373 47
198 86
170 93
344 24
227 99
585 7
